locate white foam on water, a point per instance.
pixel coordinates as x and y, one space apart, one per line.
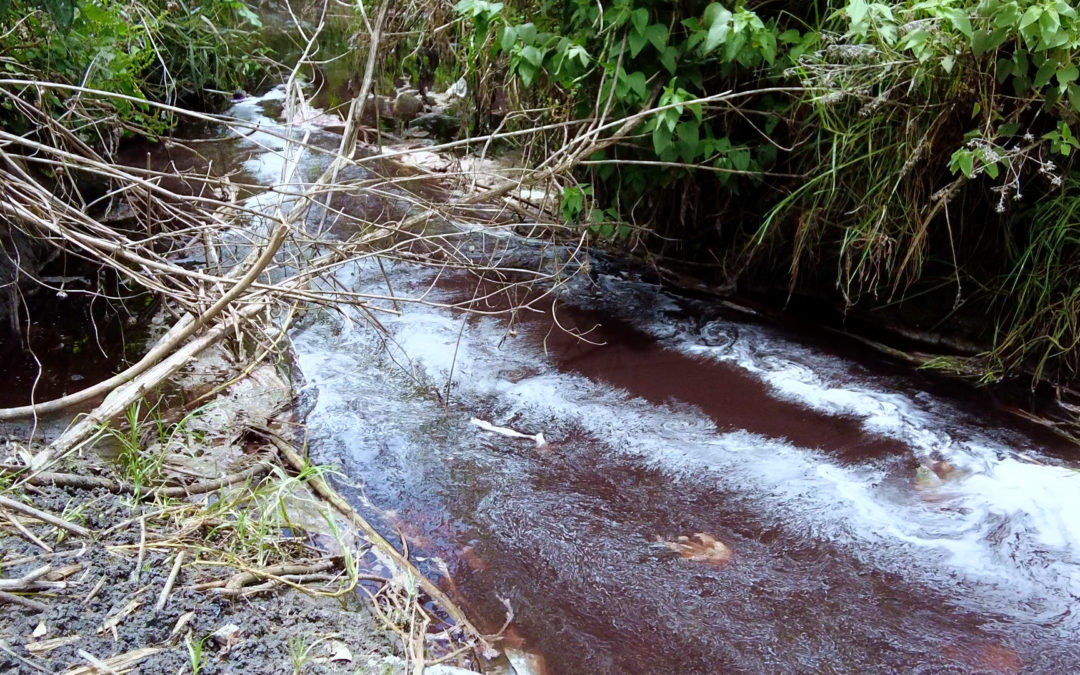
1000 527
277 145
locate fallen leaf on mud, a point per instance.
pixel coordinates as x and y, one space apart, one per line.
339 651
46 646
180 623
113 621
707 549
40 630
227 636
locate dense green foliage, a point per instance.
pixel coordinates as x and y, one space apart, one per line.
161 50
918 151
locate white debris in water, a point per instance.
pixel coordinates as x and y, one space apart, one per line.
510 433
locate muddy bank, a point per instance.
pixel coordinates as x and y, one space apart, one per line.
185 544
108 609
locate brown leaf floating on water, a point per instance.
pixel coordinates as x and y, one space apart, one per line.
706 549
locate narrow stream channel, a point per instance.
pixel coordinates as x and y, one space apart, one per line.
876 523
846 555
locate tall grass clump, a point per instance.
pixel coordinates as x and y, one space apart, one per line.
1038 302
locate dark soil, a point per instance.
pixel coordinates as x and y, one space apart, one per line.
272 628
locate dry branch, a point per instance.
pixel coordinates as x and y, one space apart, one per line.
13 505
324 490
164 597
25 602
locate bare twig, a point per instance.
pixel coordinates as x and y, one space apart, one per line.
323 489
25 602
164 597
13 505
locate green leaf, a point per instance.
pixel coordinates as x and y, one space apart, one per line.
661 139
740 159
962 23
1068 74
657 34
62 12
245 13
718 21
962 161
526 32
716 13
1030 16
637 42
717 35
983 41
573 202
1045 72
915 41
509 37
1008 129
527 72
689 135
789 37
670 59
857 11
636 82
1006 15
533 55
640 18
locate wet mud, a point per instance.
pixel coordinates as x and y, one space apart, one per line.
269 628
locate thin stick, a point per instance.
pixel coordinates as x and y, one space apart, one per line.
94 591
25 602
43 516
238 581
164 597
7 650
26 580
28 534
142 552
96 662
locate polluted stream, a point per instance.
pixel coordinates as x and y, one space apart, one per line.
711 492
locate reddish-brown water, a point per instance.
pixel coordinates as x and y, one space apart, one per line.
842 559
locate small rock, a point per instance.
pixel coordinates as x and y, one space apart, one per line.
339 651
407 106
376 109
439 125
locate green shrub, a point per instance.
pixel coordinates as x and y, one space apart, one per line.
173 51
